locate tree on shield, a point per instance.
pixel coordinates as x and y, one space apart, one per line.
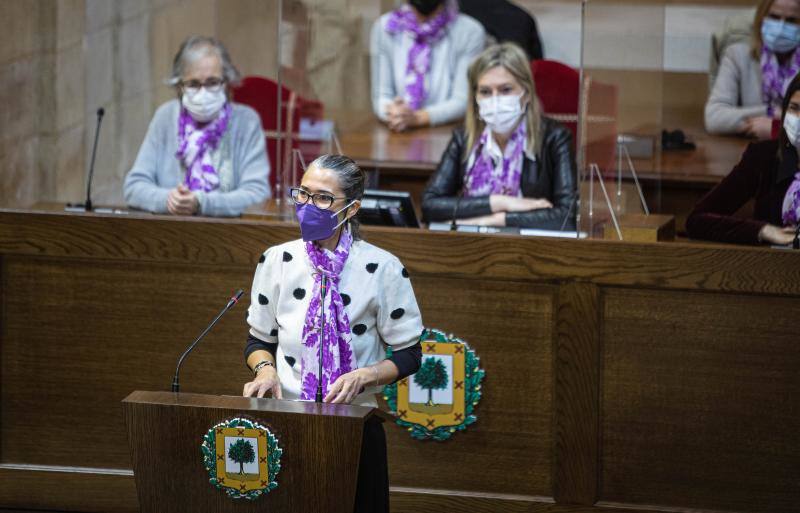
432 375
242 452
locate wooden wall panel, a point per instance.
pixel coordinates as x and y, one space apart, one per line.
636 374
700 400
509 325
576 393
72 330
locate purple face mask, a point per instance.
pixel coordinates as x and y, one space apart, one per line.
317 224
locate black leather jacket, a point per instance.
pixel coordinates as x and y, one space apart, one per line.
551 176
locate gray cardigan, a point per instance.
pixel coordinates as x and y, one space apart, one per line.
736 94
446 81
157 169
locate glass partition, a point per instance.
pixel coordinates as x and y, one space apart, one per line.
621 113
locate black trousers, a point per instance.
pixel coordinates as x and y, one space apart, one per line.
372 490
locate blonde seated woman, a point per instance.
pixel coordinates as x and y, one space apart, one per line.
509 165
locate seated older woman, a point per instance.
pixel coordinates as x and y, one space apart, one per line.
202 154
420 53
510 166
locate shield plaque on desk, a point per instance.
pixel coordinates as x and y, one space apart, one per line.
440 398
242 457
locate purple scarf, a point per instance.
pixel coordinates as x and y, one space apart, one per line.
425 36
195 144
484 178
337 351
791 202
775 78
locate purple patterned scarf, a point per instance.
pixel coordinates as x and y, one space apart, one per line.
791 203
425 35
484 178
337 351
775 78
195 144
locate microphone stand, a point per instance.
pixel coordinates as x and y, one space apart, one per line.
176 387
87 207
323 291
453 225
796 240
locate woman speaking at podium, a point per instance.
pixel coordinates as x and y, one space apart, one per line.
333 283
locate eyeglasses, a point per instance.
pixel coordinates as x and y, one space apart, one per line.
321 200
212 85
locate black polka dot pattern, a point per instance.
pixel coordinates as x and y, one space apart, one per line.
287 257
299 293
290 360
404 273
274 332
345 299
371 268
262 299
396 314
261 259
359 329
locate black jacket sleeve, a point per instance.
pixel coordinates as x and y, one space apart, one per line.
557 159
407 360
256 344
444 191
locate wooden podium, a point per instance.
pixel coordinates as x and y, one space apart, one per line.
321 446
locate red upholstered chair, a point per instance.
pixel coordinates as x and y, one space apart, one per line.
559 91
261 94
558 88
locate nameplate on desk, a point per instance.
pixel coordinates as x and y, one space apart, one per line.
527 232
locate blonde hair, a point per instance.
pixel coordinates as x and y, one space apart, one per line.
512 59
761 13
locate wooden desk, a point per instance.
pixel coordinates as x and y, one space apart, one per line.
617 374
672 184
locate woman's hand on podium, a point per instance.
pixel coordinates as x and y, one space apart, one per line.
349 385
265 381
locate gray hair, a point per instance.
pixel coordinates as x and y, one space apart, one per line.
195 47
351 179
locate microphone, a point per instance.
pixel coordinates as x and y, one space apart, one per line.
176 387
323 291
453 226
87 207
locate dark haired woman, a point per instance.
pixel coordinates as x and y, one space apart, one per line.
767 173
369 303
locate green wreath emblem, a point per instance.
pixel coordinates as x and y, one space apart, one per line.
433 375
242 451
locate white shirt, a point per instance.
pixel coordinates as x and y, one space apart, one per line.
378 298
446 81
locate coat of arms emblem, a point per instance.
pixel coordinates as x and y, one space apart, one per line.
242 457
441 397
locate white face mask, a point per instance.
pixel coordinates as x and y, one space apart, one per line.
791 124
501 112
204 105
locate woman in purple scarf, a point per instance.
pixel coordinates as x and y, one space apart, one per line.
325 307
769 176
420 53
202 154
753 75
509 165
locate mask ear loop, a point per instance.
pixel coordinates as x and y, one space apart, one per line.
346 219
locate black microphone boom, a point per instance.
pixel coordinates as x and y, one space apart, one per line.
87 207
176 387
323 291
100 112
